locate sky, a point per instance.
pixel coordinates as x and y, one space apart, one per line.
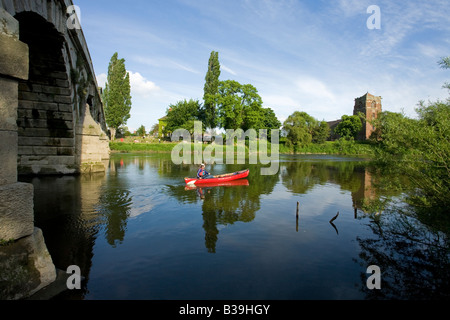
313 56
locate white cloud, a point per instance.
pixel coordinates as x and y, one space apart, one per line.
162 62
350 8
309 86
225 68
141 86
431 51
101 79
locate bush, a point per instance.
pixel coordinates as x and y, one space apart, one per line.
419 149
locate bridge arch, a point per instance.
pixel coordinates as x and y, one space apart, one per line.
45 116
60 116
51 122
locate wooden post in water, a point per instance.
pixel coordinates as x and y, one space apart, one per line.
332 224
335 217
298 204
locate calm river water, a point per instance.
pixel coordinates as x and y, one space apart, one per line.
137 232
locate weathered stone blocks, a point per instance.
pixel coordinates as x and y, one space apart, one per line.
8 157
26 267
14 61
16 211
8 104
92 145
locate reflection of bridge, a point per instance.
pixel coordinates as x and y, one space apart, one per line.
52 119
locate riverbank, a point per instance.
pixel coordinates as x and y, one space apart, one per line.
350 148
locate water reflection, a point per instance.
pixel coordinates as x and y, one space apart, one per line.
76 213
114 208
227 204
414 258
65 209
299 177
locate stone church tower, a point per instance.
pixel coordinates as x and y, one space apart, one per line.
370 106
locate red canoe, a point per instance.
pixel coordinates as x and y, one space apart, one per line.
234 183
219 179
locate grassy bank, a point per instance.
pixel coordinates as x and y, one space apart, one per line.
333 147
126 147
329 147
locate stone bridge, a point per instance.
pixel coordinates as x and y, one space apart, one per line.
51 122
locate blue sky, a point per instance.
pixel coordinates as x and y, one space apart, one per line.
312 56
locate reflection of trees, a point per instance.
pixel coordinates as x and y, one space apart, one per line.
411 246
114 205
227 205
414 259
162 162
300 176
368 189
210 224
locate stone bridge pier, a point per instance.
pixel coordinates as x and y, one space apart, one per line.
51 122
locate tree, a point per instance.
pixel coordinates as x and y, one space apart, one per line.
239 106
209 112
419 149
270 121
116 96
182 116
321 132
299 128
349 127
141 131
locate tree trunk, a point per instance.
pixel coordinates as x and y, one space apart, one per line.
113 133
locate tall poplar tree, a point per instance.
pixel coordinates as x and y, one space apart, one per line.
116 96
210 91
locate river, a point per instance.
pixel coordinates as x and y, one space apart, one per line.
137 232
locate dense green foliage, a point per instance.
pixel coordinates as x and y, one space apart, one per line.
419 149
349 127
338 147
209 112
321 132
270 122
116 95
182 116
301 129
239 106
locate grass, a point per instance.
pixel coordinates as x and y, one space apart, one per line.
141 147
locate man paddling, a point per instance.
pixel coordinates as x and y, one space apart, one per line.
202 173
